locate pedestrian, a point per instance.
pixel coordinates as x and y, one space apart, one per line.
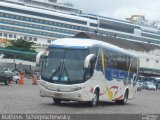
34 79
22 76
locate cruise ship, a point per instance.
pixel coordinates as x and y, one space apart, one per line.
42 21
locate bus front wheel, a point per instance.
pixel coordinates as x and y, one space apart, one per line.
95 98
56 101
124 100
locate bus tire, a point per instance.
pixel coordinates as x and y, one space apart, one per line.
124 100
56 101
95 99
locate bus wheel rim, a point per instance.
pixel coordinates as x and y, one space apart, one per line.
94 98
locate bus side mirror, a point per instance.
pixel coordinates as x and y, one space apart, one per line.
39 56
87 60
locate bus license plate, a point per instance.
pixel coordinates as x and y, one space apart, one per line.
58 94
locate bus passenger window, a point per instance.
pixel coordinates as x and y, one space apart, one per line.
94 51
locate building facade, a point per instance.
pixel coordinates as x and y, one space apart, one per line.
149 62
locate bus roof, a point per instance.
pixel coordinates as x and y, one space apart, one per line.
86 43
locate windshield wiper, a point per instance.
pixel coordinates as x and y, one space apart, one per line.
57 72
65 73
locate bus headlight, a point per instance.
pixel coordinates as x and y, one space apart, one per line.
77 88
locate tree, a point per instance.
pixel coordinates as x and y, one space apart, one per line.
21 45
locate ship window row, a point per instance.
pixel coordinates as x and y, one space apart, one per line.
93 25
152 31
137 38
93 31
6 35
117 28
124 36
93 18
151 36
54 6
30 38
32 32
37 26
42 15
46 22
142 39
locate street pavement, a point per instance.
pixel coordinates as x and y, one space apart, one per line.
25 98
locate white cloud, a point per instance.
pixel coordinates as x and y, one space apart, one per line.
120 9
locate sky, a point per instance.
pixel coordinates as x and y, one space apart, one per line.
120 9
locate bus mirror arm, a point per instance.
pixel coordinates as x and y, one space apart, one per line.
87 60
41 56
38 57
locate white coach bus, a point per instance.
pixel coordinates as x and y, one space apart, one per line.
75 69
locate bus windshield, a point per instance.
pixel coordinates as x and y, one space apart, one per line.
64 66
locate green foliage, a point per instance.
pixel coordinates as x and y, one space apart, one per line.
22 45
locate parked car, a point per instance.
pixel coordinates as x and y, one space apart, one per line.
139 86
16 77
149 86
157 83
5 76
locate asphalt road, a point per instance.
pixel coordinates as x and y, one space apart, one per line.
25 99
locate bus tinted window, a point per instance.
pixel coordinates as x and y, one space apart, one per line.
94 50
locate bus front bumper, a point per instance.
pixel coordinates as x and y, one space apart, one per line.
71 96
